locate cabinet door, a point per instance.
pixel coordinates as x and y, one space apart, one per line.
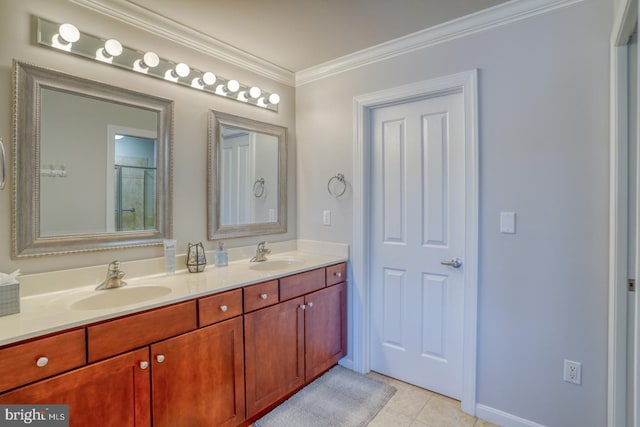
326 329
198 377
114 392
274 353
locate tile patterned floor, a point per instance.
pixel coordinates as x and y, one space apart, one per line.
412 406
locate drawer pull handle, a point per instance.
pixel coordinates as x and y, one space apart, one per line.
160 358
263 296
42 362
224 308
144 364
338 273
310 304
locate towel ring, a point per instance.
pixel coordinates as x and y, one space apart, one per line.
340 178
258 187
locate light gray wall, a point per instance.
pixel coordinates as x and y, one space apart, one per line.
17 30
543 143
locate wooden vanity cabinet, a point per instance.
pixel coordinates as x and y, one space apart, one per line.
290 343
44 357
113 392
198 377
218 360
325 340
274 353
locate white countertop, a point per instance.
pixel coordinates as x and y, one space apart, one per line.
44 313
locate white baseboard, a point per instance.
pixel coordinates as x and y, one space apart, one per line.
502 418
347 363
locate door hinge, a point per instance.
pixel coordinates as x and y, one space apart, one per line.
632 285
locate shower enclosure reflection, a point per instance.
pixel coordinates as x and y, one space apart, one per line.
134 183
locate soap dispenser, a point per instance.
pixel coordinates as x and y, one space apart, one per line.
222 258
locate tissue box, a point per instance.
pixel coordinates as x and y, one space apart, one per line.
9 298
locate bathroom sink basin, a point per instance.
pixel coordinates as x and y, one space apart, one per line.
120 297
276 264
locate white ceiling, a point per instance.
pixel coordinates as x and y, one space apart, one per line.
298 34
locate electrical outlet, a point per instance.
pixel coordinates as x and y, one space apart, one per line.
572 371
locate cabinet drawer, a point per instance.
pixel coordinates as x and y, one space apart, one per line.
260 295
336 273
58 353
119 335
219 307
300 284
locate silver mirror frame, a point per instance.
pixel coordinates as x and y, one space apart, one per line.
25 214
215 229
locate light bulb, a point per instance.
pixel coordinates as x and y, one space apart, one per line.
113 47
255 92
65 37
274 99
69 33
208 78
183 70
233 86
150 60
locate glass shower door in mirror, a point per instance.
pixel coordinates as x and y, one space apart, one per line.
134 180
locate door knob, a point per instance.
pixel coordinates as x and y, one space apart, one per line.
454 262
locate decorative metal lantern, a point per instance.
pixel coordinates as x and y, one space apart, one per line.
196 260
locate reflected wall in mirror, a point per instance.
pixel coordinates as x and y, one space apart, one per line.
247 179
92 168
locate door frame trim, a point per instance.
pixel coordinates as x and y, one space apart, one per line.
623 27
466 83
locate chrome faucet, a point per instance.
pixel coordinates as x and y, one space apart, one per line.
114 277
261 253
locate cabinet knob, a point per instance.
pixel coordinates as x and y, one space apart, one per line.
144 364
42 362
310 304
160 358
303 307
223 308
338 273
263 296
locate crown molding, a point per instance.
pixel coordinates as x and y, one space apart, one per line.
505 13
132 14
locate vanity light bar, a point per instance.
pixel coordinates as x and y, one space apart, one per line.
68 38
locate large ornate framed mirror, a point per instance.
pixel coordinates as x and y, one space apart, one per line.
247 177
92 165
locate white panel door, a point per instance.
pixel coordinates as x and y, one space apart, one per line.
417 222
236 189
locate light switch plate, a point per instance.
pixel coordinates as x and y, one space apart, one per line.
508 222
326 217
